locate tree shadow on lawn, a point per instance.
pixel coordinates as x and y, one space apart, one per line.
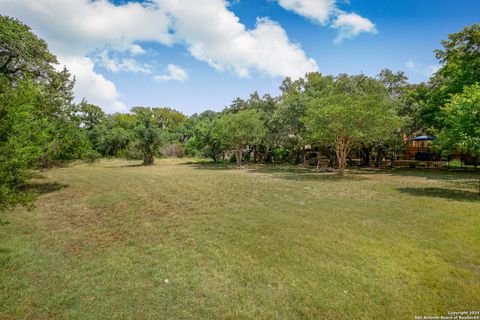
130 165
438 174
445 193
4 256
457 179
288 172
210 165
44 188
303 173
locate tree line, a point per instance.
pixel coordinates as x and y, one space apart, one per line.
42 126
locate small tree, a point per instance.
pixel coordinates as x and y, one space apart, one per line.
109 138
200 138
348 111
148 132
238 130
461 123
22 138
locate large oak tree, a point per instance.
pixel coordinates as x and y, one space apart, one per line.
348 110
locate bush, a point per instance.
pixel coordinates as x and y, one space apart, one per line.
92 156
172 150
131 152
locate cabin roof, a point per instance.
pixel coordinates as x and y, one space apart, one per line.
423 138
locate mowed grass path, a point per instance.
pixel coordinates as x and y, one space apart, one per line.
266 242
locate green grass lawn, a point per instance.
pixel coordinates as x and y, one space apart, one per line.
182 240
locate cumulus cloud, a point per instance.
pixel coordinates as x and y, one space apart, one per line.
316 10
174 72
325 12
122 64
77 27
90 31
92 85
351 25
426 71
230 46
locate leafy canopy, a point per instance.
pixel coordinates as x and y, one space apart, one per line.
237 130
461 118
355 108
22 53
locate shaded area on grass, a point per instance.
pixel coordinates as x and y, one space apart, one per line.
457 179
302 173
4 256
287 172
209 165
262 242
444 193
130 165
44 188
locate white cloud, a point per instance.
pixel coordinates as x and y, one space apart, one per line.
135 49
317 10
175 73
86 29
78 27
427 71
230 46
124 64
349 25
92 86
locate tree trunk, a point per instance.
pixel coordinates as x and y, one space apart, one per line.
342 162
213 154
366 155
341 151
238 157
318 160
379 158
148 159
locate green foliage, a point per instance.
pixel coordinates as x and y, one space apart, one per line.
22 54
148 130
349 110
200 139
22 136
68 141
125 121
91 156
69 138
461 119
460 59
90 115
169 119
110 139
412 106
39 124
238 130
394 82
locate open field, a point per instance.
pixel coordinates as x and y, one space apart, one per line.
268 242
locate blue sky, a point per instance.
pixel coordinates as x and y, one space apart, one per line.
203 54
